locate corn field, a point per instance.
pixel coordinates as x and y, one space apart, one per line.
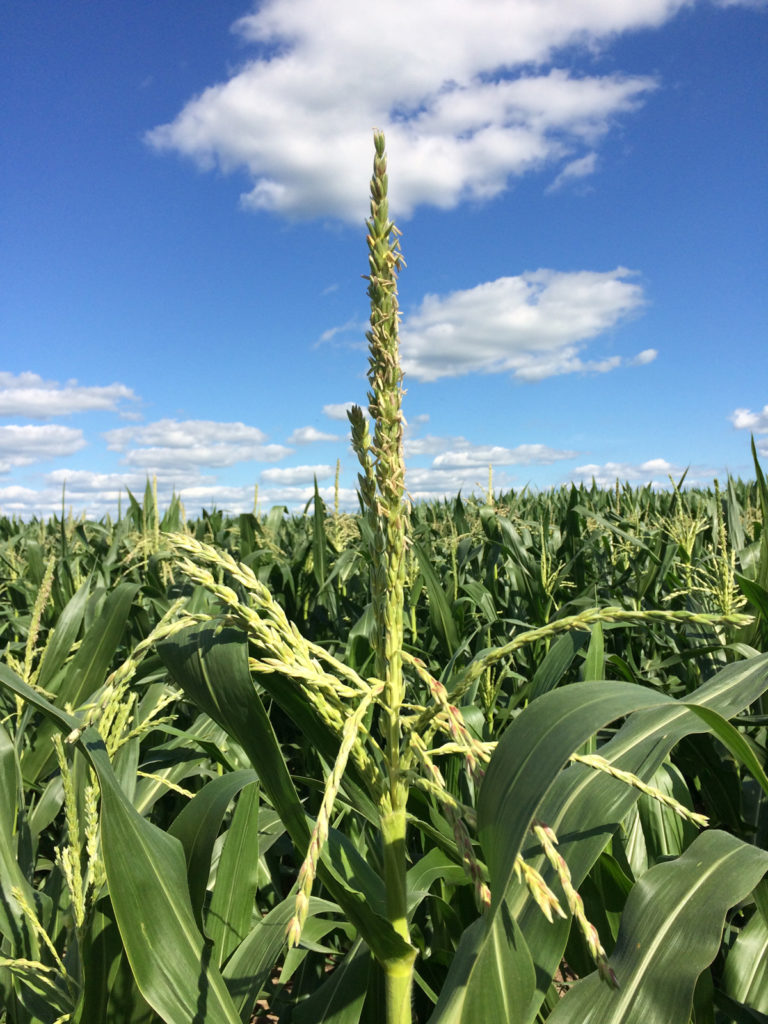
496 758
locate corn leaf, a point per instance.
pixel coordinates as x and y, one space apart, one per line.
229 913
670 931
491 977
85 672
146 874
339 1000
585 807
198 824
745 978
211 666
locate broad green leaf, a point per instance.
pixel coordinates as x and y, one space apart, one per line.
432 867
64 635
339 1000
14 926
321 738
43 994
198 824
755 594
9 780
90 665
585 807
146 874
594 666
731 738
229 913
491 977
745 977
211 666
532 752
440 612
557 661
109 991
251 964
670 931
737 1013
84 673
666 834
178 759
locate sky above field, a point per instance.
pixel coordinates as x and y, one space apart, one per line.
582 191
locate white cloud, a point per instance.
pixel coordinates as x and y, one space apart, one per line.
308 435
229 499
653 471
643 358
424 483
458 452
296 474
745 419
532 325
484 455
338 411
23 445
581 167
27 394
462 90
85 483
351 326
15 500
296 497
168 444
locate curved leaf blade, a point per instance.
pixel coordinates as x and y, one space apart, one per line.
197 825
670 931
531 754
491 977
229 912
146 875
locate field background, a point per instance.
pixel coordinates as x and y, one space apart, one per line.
86 602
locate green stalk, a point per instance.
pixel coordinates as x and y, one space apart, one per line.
382 489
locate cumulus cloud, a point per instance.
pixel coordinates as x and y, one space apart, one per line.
653 471
459 464
351 326
17 500
296 497
468 94
458 452
296 474
423 483
24 445
745 419
581 167
177 444
533 325
338 410
85 483
756 422
27 394
643 358
308 435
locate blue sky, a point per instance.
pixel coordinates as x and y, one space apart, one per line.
582 192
